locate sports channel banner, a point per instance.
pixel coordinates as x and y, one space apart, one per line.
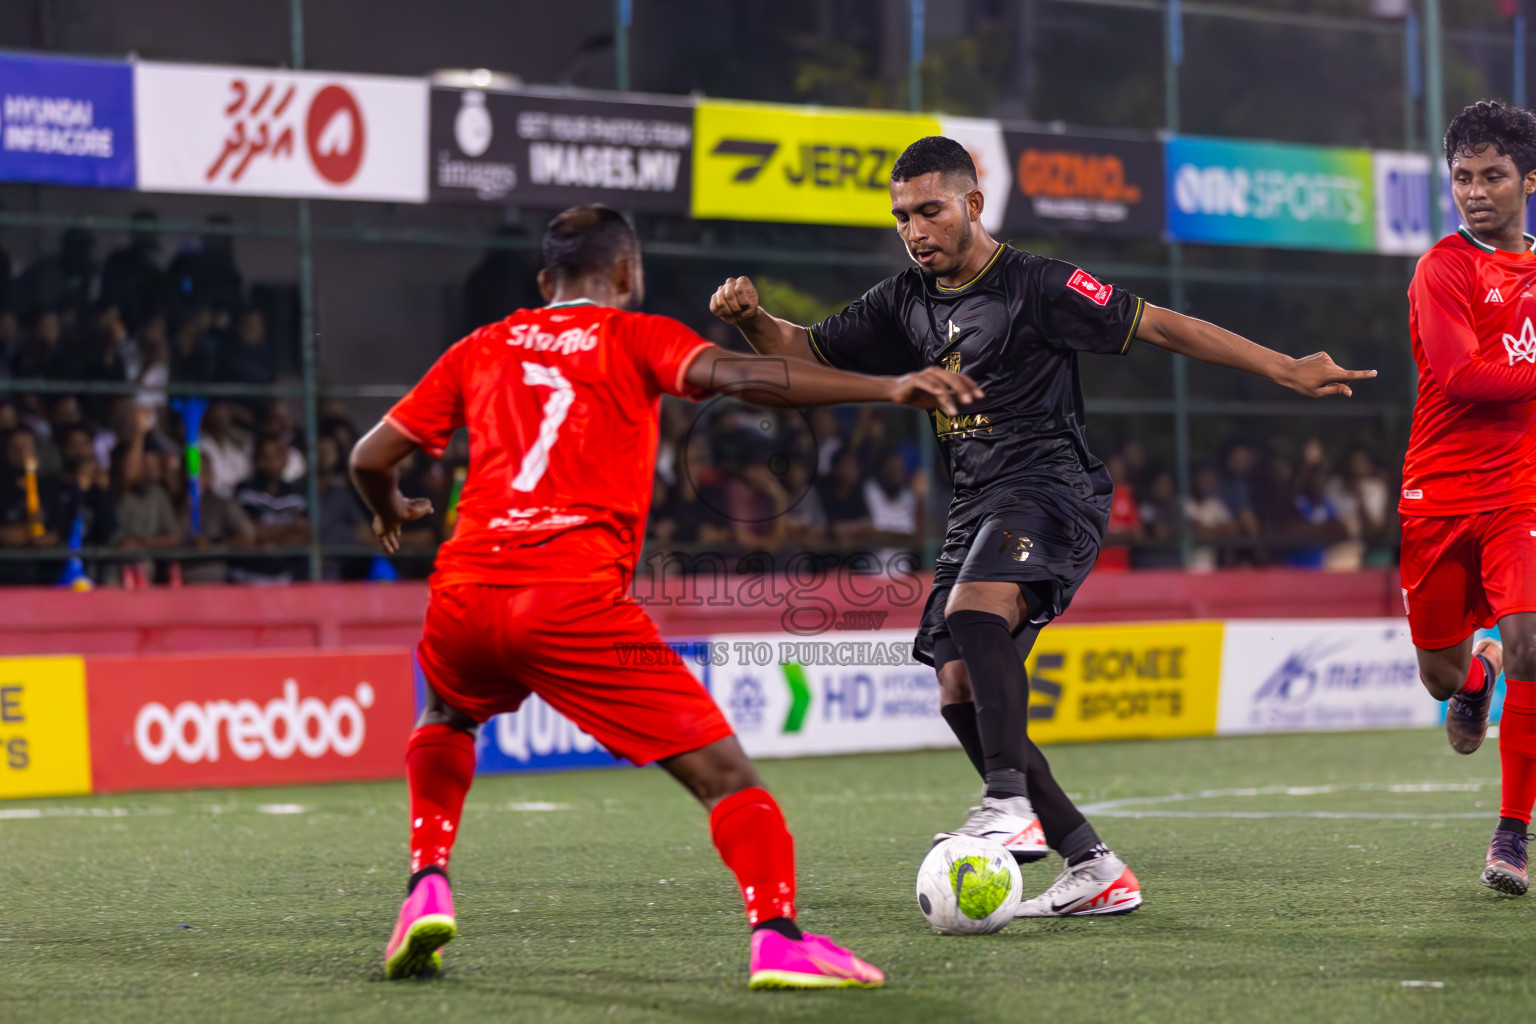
1313 675
66 122
1226 192
804 165
527 149
1065 183
260 132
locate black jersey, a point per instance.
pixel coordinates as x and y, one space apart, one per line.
1016 329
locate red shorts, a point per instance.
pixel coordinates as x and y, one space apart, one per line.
485 648
1464 573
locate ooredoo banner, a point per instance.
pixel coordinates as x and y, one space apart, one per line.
1104 186
1272 194
533 150
254 131
1307 676
260 719
66 122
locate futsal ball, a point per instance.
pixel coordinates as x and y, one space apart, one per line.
968 886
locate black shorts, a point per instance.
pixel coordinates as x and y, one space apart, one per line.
1019 537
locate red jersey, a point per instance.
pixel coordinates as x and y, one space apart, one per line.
562 405
1472 315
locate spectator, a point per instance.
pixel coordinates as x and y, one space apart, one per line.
222 523
194 350
278 422
895 512
10 341
755 502
244 356
43 354
342 521
1162 520
1365 499
842 496
1210 518
280 514
147 362
420 477
805 521
62 283
207 278
23 521
78 501
1124 519
100 355
146 518
1317 525
226 448
1235 488
131 278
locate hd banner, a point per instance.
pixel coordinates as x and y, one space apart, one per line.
66 122
531 150
1270 194
260 132
1064 183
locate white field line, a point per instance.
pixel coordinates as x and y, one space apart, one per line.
1157 806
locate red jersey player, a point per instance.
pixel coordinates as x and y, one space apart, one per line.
1469 480
530 594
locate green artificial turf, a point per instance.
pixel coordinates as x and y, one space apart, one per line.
611 906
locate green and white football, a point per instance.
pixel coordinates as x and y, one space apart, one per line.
968 886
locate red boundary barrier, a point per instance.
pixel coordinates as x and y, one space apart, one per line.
341 615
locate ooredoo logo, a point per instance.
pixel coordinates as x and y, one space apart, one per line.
196 733
335 134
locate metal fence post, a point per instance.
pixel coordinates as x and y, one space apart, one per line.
307 348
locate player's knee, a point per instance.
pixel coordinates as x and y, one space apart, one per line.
1442 681
954 684
1520 655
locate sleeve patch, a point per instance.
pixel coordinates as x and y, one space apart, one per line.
1084 284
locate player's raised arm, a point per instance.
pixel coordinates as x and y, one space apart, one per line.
736 303
777 380
1316 375
374 474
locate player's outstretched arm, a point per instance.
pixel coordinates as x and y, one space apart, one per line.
736 303
1315 375
374 474
777 380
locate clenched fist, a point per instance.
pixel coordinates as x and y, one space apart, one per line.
735 302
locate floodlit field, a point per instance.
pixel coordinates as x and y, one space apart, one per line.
1325 878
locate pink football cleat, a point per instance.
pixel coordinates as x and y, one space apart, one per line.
813 962
426 923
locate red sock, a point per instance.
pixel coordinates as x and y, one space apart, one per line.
1517 749
749 831
1476 677
439 767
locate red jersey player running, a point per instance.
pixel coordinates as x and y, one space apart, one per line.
530 594
1469 480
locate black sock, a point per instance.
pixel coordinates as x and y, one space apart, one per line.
1514 825
783 925
1059 816
999 686
961 719
430 869
1096 850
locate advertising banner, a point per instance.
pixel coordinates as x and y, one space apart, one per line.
834 694
758 161
66 122
1402 202
531 150
260 719
43 748
1124 682
1064 183
1270 194
983 139
1307 676
259 132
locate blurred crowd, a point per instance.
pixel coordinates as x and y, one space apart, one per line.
97 458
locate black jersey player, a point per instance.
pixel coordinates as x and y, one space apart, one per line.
1031 501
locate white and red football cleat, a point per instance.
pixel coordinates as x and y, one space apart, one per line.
1103 885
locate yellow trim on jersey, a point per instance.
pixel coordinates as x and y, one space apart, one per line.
1141 304
979 274
810 336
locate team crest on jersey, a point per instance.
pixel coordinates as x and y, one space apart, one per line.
951 362
1494 296
1522 348
1083 283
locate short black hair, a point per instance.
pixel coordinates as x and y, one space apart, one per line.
934 154
1509 130
585 240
